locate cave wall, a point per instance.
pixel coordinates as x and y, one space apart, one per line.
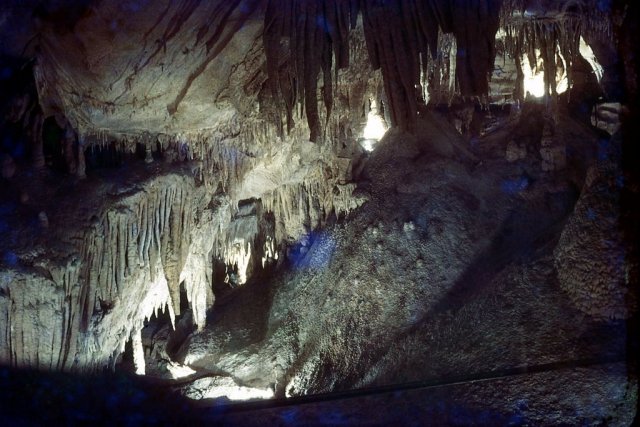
232 92
74 305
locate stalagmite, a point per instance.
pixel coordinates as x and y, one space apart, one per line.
592 256
234 188
138 352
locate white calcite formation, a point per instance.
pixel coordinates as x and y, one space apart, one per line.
222 100
366 280
451 268
77 310
132 75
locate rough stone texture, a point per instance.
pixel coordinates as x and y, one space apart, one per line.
448 267
110 262
583 396
515 151
130 67
606 116
592 261
176 72
553 158
76 308
388 250
447 270
591 395
72 297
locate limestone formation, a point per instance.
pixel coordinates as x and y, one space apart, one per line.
275 198
132 259
592 258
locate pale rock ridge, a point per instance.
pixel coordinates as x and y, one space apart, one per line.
300 182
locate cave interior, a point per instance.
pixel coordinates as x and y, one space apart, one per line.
319 212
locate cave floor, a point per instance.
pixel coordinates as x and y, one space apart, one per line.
505 311
599 391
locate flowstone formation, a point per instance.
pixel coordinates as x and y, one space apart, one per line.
398 298
74 309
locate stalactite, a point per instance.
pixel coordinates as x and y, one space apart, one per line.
316 34
130 264
400 36
475 24
442 71
556 30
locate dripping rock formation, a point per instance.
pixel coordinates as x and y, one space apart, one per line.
339 212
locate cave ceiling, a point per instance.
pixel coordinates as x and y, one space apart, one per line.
130 67
170 67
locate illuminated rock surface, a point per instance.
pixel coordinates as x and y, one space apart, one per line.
261 199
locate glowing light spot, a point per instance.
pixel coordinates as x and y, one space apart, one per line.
179 371
534 75
138 352
368 144
270 251
239 255
374 130
229 389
